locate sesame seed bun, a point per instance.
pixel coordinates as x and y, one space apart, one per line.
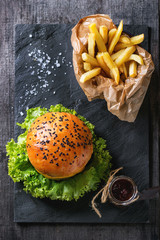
59 145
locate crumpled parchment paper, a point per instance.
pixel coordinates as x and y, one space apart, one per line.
123 100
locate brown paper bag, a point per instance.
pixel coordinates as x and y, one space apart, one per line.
123 100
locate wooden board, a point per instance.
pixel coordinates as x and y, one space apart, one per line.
45 76
52 11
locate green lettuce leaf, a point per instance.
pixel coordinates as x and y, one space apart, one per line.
20 168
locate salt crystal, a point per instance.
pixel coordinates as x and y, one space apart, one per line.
54 92
30 35
32 91
48 72
60 54
57 63
21 113
32 73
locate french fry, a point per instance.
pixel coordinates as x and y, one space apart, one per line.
117 54
121 69
125 55
125 70
111 73
103 30
91 44
90 74
116 38
121 46
87 66
111 34
137 39
133 41
133 69
136 58
99 40
112 66
87 58
124 39
116 75
102 64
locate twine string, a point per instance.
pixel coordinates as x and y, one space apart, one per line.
105 192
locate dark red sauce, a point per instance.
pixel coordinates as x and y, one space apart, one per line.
122 189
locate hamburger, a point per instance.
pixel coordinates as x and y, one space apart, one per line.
59 145
58 156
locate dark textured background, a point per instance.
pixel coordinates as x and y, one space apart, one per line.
128 143
143 12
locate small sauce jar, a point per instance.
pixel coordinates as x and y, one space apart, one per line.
122 191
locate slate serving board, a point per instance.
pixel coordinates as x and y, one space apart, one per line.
45 76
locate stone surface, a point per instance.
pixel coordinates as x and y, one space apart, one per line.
45 76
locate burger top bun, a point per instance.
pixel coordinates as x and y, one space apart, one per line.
59 145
